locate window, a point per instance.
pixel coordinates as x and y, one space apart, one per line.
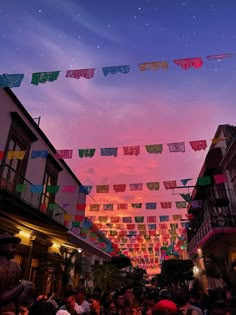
50 179
20 138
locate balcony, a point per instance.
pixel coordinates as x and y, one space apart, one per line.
9 179
215 224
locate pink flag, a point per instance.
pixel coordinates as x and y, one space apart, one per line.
122 206
220 179
171 184
131 150
166 205
68 188
189 63
198 145
82 73
64 154
119 188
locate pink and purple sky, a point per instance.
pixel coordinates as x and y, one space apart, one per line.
119 110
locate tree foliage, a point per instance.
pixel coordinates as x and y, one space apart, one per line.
107 277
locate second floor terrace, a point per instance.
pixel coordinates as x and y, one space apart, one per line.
17 194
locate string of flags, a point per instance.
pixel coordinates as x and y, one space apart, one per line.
15 80
152 186
197 145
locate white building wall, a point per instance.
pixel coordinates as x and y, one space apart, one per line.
36 167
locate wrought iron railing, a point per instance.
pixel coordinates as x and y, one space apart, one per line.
17 185
218 223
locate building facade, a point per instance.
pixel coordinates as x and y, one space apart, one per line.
41 201
212 229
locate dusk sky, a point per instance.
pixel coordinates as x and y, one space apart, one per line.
137 108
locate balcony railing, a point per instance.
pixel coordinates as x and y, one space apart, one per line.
213 225
17 185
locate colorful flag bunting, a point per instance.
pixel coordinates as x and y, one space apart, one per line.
171 184
219 57
186 197
198 145
85 189
119 188
21 188
154 148
43 77
196 204
151 219
36 189
187 63
165 205
176 147
164 218
52 189
127 219
185 181
11 80
131 150
19 155
136 205
153 186
81 73
137 186
204 181
94 207
151 205
64 154
68 188
102 189
108 207
109 152
122 206
139 219
153 65
220 179
86 153
115 69
39 154
1 155
80 207
180 204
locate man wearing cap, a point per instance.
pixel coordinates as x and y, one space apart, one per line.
166 307
10 287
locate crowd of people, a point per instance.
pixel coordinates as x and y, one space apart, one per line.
151 301
19 297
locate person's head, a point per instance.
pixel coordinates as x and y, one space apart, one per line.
111 308
166 307
94 302
97 292
120 299
182 297
80 296
42 307
149 300
128 293
8 244
164 294
24 307
69 300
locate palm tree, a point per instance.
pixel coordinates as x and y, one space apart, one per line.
107 277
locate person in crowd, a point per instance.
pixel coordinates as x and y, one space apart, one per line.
95 305
42 308
149 304
120 301
166 307
111 309
97 292
24 307
11 289
183 302
80 299
164 294
70 306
